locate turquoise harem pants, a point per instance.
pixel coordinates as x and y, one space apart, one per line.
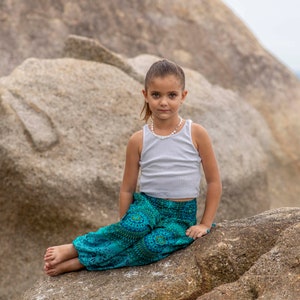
151 230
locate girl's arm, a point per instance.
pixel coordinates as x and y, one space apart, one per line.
131 171
213 180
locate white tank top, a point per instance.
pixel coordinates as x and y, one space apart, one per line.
170 167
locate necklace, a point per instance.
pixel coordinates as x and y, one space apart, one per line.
162 137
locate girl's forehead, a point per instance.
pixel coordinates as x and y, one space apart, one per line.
168 81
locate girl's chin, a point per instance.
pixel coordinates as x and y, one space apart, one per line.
163 115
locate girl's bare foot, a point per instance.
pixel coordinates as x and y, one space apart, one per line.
58 254
63 267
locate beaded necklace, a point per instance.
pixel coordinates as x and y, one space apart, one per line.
162 137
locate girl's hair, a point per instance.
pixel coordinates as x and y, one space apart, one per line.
161 68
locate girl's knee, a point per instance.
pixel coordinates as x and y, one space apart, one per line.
136 222
159 240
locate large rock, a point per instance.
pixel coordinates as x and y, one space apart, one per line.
275 275
64 125
63 132
252 258
209 39
264 82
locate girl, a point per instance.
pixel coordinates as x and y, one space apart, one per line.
161 218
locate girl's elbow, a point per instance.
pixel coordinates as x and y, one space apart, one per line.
216 185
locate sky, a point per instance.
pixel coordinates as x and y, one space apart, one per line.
276 24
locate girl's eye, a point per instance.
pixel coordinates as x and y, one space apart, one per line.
172 95
155 95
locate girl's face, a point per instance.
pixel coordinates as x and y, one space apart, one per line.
164 96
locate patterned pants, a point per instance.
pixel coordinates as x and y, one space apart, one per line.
151 230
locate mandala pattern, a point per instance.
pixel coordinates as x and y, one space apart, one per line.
151 230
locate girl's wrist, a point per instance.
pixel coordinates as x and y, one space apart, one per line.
208 227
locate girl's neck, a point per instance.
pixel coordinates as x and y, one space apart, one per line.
166 128
165 123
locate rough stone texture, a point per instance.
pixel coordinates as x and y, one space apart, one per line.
89 49
62 148
64 125
224 51
275 275
253 258
209 39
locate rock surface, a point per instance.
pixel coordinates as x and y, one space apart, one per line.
225 51
275 275
256 257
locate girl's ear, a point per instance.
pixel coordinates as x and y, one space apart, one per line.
145 95
184 93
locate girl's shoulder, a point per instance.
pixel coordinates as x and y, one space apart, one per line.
200 136
198 129
137 135
136 140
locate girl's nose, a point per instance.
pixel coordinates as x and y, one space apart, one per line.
163 101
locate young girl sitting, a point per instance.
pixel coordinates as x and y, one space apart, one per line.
161 217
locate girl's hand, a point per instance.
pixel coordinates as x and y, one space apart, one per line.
197 231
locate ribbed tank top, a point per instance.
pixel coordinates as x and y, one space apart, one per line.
170 167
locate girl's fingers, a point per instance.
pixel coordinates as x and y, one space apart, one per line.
194 233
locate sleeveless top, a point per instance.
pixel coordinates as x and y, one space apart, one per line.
170 167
